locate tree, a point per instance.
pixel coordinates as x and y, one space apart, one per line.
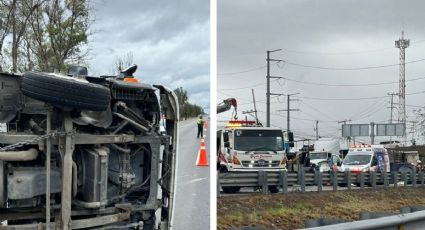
46 35
22 11
187 109
66 27
122 62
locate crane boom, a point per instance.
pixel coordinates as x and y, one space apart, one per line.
227 105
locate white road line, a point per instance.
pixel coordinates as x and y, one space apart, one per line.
197 179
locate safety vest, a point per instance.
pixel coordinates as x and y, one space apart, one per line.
200 121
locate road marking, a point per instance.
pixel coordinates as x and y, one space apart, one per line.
198 179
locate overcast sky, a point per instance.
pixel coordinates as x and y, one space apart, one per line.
169 41
329 33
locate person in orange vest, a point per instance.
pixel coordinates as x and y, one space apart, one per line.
200 123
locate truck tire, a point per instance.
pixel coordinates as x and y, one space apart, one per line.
233 189
60 90
274 189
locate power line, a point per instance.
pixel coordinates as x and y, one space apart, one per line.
350 85
343 53
367 109
317 110
248 101
342 99
246 87
353 68
244 71
352 99
327 99
321 53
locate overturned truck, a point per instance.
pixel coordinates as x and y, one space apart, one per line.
85 152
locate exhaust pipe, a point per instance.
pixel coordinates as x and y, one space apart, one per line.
27 155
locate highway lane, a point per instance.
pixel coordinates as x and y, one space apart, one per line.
192 204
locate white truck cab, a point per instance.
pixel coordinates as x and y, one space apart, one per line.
325 149
243 146
364 158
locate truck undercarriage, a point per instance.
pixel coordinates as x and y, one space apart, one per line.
86 152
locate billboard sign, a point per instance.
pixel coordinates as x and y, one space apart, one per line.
355 130
395 129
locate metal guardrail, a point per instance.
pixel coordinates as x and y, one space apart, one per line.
414 220
312 223
299 180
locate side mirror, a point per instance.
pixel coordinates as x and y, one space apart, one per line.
374 162
290 137
225 137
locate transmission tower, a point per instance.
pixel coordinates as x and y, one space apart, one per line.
402 44
392 107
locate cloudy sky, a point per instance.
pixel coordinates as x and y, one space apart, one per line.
169 41
340 35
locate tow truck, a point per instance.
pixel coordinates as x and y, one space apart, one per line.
245 145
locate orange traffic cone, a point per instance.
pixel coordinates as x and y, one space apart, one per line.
202 141
202 156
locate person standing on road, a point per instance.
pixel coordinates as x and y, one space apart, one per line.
200 123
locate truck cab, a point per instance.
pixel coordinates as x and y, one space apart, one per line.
245 146
320 160
325 150
366 158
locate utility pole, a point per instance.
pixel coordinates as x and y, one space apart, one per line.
392 106
317 130
288 110
253 111
268 83
255 106
372 133
402 44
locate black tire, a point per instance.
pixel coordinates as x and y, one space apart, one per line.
273 189
233 189
65 91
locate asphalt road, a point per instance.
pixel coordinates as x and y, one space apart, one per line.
192 204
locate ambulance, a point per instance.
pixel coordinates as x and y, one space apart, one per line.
365 158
